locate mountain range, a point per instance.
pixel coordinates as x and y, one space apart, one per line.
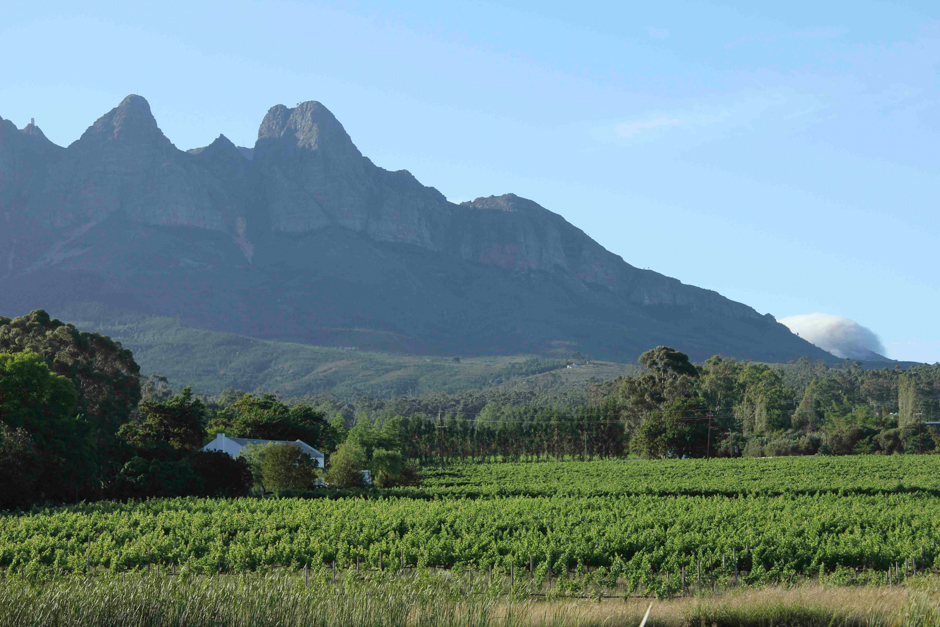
301 238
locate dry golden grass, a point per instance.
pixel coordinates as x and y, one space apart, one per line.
805 605
155 599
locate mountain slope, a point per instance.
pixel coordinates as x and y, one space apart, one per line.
304 239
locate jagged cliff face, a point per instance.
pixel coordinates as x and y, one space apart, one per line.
313 177
304 237
125 163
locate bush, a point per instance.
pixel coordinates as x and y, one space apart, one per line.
732 445
345 469
792 443
222 476
142 478
410 476
844 441
388 466
890 442
287 466
754 448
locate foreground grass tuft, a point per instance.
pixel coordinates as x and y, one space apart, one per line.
283 599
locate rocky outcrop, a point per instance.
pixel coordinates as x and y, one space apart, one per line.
25 158
124 163
313 176
304 237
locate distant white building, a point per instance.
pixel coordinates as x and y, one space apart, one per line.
234 446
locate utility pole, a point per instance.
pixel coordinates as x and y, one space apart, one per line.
440 437
585 435
708 447
920 432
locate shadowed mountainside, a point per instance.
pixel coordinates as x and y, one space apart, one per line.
304 239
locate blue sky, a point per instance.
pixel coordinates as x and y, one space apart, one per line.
785 157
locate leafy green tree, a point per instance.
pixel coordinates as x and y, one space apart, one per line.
766 403
667 363
156 389
36 403
642 400
387 467
345 467
222 476
253 455
679 431
21 465
824 403
718 387
909 402
363 436
266 418
339 431
104 374
175 424
393 432
286 466
145 478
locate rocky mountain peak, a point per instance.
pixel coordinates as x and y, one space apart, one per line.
34 131
506 202
308 126
221 147
129 121
222 142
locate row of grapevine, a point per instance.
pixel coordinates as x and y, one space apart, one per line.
862 474
773 538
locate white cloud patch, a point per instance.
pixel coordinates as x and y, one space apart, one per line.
839 335
657 33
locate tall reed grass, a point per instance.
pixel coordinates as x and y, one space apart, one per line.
286 599
274 599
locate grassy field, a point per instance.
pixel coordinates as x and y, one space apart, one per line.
210 362
291 599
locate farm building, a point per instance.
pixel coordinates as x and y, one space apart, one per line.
234 446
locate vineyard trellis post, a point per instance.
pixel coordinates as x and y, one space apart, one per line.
734 558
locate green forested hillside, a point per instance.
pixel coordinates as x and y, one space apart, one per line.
211 362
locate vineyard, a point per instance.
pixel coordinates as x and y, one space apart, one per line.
873 475
653 526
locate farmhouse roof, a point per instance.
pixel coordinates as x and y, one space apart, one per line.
306 448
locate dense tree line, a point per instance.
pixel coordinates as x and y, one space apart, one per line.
729 408
77 422
722 407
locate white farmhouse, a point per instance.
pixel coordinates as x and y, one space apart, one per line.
234 446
